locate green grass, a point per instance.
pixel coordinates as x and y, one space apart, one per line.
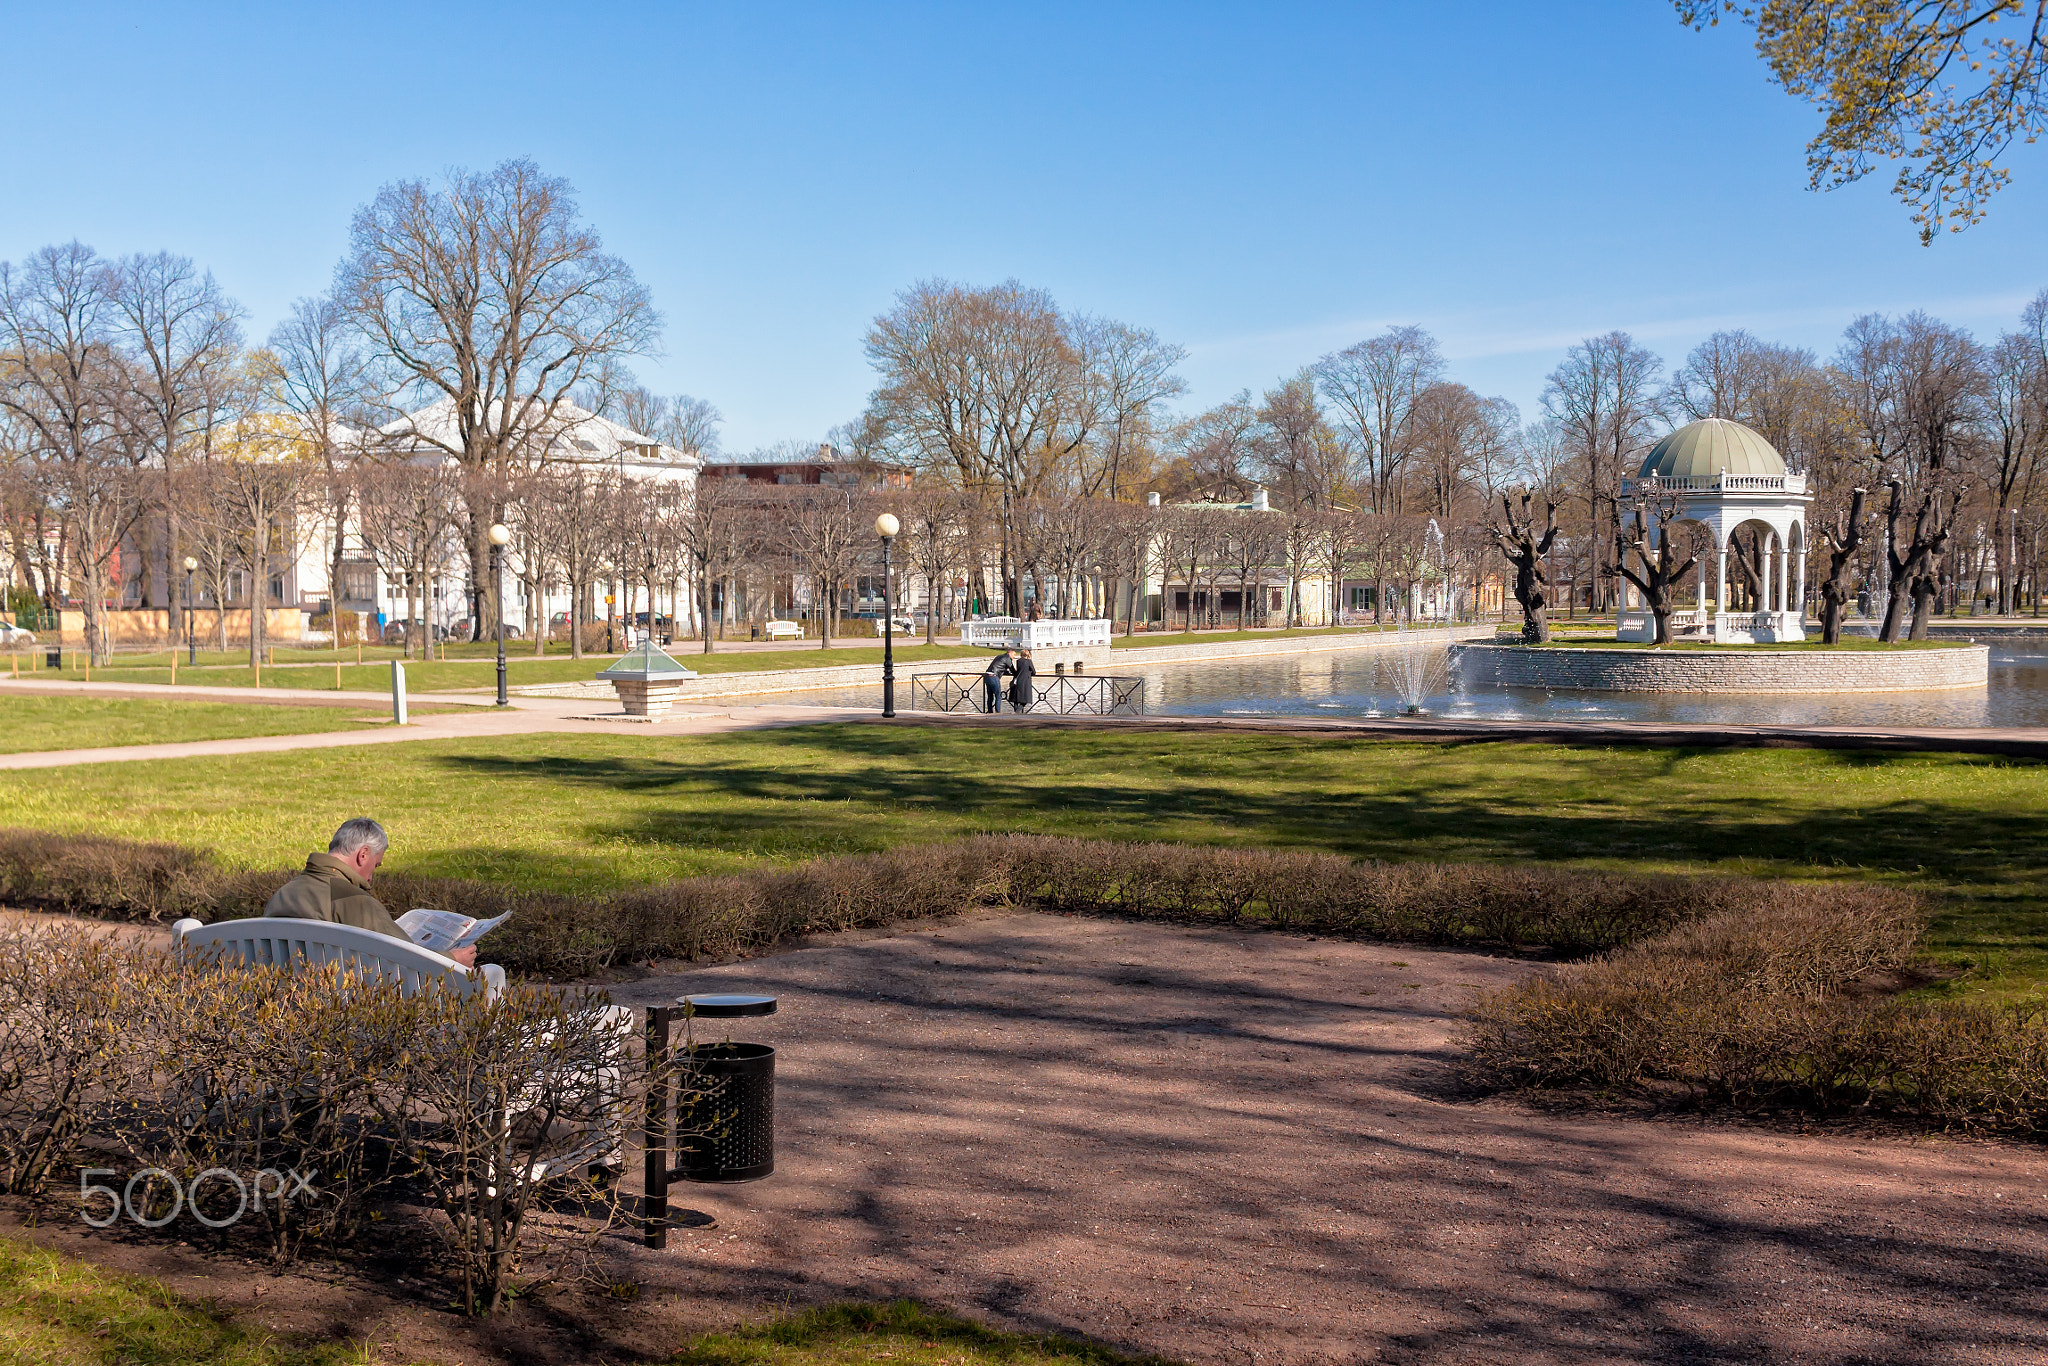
57 1311
598 812
38 723
902 1334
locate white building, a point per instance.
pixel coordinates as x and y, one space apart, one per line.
577 436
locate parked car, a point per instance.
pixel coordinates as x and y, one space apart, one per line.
14 638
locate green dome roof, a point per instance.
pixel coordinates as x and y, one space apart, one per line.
1703 449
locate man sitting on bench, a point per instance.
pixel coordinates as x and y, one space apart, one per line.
335 887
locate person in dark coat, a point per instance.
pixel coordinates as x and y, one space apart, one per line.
992 682
1022 671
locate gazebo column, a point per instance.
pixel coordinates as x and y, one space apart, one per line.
1800 597
1784 556
1721 582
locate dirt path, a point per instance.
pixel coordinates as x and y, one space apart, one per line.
1224 1146
1231 1147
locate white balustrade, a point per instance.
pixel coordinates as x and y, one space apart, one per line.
1034 635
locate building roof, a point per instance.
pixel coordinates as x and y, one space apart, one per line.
574 434
1709 447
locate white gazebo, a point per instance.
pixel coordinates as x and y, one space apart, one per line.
1724 476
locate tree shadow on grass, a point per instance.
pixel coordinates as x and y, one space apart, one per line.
837 789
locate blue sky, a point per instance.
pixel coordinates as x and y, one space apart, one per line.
1260 183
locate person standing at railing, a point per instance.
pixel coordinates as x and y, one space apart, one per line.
992 682
1023 670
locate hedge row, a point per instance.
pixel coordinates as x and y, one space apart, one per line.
1776 1010
717 916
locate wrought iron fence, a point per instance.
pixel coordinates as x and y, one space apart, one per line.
1057 695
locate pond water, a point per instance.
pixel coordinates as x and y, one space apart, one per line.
1361 683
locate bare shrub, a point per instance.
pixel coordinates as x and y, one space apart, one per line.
505 1107
68 1001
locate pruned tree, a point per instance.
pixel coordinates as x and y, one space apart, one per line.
1660 564
487 292
1844 537
1525 547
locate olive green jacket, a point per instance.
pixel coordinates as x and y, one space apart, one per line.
332 891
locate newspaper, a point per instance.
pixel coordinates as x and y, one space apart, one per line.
444 931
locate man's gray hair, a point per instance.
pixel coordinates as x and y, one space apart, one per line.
357 833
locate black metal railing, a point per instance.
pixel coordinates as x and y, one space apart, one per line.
1054 695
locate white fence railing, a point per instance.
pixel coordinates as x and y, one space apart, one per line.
1717 483
1033 635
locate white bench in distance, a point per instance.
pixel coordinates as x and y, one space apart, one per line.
783 630
275 940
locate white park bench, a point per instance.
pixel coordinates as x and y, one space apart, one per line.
274 940
784 630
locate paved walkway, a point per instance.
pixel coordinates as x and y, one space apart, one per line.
537 715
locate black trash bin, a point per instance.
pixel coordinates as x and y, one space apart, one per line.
724 1104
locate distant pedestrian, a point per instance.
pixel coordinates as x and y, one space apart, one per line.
1023 671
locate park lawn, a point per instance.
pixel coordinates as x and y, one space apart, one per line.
37 723
902 1334
55 1309
63 1311
456 675
586 813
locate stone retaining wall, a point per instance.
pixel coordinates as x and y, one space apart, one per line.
1721 671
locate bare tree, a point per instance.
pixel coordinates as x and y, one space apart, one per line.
1373 386
1605 398
824 532
178 326
991 386
409 510
717 530
487 292
69 392
257 486
317 370
1132 371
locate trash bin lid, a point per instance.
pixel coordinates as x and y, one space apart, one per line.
726 1007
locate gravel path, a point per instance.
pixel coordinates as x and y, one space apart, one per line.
1231 1147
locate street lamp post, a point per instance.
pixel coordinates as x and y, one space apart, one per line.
886 526
191 640
500 535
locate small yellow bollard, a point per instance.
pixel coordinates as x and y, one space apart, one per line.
174 668
337 675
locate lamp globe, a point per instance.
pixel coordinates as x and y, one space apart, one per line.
887 525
